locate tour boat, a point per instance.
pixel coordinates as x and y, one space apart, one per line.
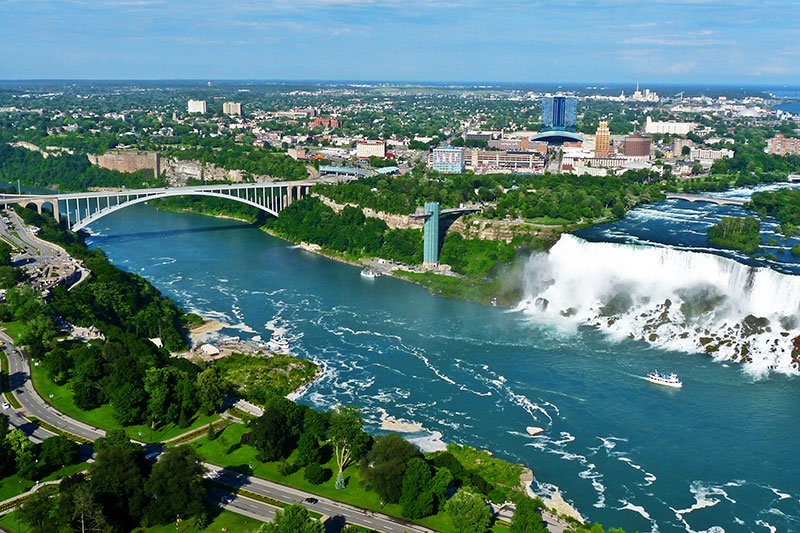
533 431
668 380
278 344
369 273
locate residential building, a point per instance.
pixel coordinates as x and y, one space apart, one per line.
196 106
325 122
559 113
297 153
366 149
602 140
707 154
637 145
668 128
780 145
449 159
232 108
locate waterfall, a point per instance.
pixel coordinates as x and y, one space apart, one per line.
674 299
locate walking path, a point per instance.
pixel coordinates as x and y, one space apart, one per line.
34 405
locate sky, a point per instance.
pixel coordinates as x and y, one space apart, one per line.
739 42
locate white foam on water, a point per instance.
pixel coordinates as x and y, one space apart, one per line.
674 299
628 506
767 525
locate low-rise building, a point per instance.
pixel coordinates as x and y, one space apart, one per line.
509 144
707 154
325 122
637 146
297 153
668 128
366 149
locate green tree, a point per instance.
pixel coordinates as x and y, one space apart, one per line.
416 499
271 435
348 439
527 517
293 519
57 452
308 449
438 486
40 511
468 512
383 468
176 486
117 482
316 474
210 390
23 450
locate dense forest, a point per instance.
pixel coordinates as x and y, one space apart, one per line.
783 204
348 232
256 161
65 172
564 198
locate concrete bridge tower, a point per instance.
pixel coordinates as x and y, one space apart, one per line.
431 234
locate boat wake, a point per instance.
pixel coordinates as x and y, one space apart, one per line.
673 299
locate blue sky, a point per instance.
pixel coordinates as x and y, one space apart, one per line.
652 41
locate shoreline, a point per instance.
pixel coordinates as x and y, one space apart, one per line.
554 503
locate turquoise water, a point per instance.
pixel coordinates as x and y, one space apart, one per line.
721 452
793 107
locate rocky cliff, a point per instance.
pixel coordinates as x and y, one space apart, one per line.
470 227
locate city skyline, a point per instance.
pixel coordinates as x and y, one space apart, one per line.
696 41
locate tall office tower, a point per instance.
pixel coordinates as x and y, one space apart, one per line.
559 113
602 140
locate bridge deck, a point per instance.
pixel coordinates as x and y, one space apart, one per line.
705 198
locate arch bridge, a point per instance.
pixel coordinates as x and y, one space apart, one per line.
81 209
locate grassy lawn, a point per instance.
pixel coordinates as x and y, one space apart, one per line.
14 485
224 521
225 450
474 290
61 397
253 375
13 329
11 523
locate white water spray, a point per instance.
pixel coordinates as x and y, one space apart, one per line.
679 300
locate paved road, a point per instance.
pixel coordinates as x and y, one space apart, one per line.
319 504
241 505
34 405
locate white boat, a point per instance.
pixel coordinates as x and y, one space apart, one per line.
278 344
668 380
533 431
369 274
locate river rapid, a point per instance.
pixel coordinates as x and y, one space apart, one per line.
719 454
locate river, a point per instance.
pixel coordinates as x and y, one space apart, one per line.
716 454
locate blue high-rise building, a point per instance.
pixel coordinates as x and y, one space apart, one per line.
559 113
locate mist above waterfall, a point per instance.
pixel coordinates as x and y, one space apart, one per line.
679 300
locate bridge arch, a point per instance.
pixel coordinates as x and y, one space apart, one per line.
97 215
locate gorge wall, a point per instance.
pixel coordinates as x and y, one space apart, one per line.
468 227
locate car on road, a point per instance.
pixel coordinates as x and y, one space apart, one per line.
311 500
6 405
